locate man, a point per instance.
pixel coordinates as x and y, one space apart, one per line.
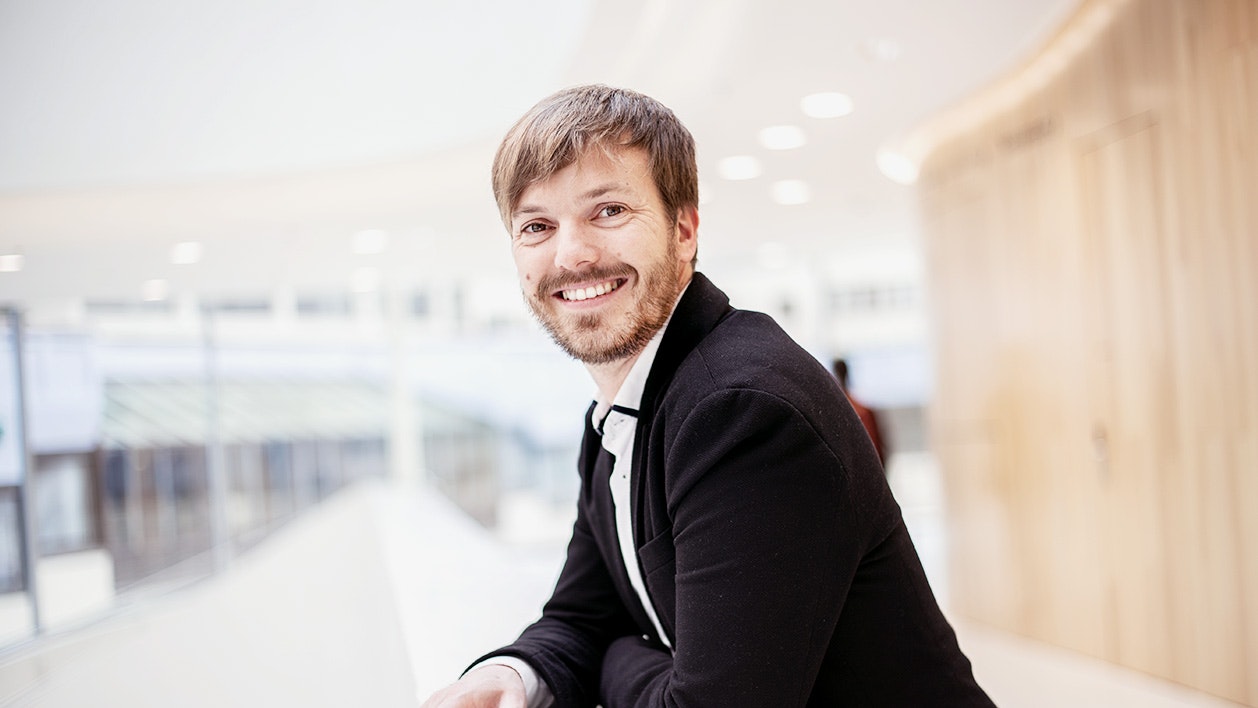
736 543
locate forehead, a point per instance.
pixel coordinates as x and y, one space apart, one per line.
599 170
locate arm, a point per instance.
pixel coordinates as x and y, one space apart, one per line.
536 691
565 647
767 542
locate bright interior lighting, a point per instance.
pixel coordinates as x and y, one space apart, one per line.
880 49
782 137
371 241
897 167
365 280
829 104
11 262
738 167
186 253
791 191
156 290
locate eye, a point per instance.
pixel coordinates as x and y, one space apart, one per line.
534 231
611 210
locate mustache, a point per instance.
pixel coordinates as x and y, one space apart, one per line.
566 279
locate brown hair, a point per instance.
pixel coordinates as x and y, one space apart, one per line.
561 127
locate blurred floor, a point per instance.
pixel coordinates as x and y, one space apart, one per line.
381 594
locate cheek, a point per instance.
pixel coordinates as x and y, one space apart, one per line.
523 264
531 269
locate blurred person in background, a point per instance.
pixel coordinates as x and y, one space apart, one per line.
736 543
866 414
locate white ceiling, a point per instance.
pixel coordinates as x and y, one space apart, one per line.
272 130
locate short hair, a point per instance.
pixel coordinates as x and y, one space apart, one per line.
558 130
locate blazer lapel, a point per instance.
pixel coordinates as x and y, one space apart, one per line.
701 309
698 313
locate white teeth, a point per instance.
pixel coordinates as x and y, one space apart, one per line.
577 294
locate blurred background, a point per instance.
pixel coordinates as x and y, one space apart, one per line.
275 425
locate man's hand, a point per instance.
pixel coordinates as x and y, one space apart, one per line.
492 686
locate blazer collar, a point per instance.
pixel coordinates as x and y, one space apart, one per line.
700 310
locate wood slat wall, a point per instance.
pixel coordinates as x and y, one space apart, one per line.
1093 257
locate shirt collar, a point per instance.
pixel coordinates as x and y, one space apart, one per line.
629 395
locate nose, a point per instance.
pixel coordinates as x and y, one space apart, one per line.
576 247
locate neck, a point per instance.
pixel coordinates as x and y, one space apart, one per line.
609 377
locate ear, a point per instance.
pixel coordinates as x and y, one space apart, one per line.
687 233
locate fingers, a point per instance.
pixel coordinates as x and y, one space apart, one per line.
446 698
487 687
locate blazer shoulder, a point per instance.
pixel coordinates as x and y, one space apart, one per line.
749 351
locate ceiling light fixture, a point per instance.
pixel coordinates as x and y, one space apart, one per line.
879 49
897 166
782 137
156 290
186 253
11 262
827 104
370 242
738 167
789 192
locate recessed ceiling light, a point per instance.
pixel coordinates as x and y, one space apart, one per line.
186 253
738 167
897 167
370 241
11 262
791 191
782 137
155 290
827 104
879 49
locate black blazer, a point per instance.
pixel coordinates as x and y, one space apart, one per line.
769 542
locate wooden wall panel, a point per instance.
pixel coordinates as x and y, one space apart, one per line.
1133 401
1245 94
1092 250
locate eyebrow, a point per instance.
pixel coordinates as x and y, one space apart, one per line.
592 193
600 190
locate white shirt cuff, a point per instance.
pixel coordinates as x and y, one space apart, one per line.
538 693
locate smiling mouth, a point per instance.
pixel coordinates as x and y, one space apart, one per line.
592 291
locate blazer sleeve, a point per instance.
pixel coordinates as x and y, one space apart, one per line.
583 614
767 540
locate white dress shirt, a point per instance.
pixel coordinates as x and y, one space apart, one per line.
617 423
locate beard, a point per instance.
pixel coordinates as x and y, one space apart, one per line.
604 337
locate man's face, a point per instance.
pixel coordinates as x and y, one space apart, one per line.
599 260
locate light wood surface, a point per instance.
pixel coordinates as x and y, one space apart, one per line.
1092 236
